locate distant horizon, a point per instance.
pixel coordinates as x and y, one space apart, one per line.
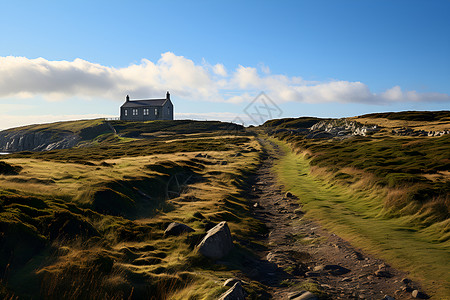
320 58
231 121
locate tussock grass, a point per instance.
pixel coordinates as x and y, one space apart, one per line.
410 241
88 222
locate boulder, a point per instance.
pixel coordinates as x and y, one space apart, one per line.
236 292
175 228
217 243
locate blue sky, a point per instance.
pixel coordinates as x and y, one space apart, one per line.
78 59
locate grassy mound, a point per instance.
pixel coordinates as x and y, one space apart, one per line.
7 169
295 123
412 115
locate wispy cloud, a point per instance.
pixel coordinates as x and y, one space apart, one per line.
55 80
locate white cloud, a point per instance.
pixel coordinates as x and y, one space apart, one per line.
219 69
21 77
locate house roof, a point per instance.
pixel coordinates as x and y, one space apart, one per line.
141 103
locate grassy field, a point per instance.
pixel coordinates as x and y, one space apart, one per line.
358 216
387 194
89 221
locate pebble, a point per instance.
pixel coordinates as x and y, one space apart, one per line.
318 268
257 205
407 289
288 195
405 280
312 274
336 269
346 279
387 297
419 295
383 273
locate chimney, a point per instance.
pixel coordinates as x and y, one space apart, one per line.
168 95
127 98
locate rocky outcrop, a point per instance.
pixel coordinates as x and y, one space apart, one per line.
217 243
340 128
26 140
47 138
407 131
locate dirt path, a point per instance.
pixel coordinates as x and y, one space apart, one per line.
305 256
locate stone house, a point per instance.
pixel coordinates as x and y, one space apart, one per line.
147 109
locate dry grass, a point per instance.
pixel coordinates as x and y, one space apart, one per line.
396 124
87 251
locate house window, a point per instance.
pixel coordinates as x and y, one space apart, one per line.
125 112
146 111
135 111
168 111
156 111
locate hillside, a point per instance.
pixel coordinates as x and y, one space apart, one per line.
342 208
64 135
89 221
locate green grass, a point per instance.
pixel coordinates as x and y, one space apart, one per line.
412 115
358 216
414 170
89 221
302 122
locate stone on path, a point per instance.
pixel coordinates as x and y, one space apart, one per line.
217 243
383 273
419 295
236 292
405 280
336 269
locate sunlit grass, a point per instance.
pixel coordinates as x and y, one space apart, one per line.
358 216
103 247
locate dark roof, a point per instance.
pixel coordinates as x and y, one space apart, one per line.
140 103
